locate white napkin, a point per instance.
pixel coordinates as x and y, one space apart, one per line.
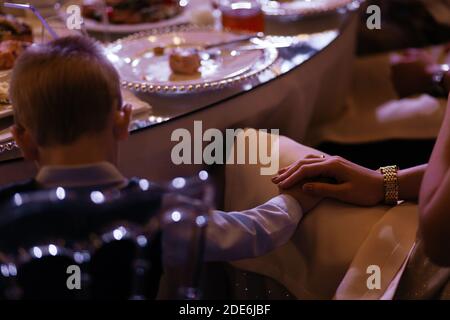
139 106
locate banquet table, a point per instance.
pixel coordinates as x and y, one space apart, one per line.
303 88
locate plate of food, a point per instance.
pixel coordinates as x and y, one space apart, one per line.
15 37
302 7
187 60
6 109
131 16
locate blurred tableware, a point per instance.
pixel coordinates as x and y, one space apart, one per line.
103 25
203 17
143 70
242 15
303 7
61 29
36 12
45 7
163 50
139 107
6 110
5 136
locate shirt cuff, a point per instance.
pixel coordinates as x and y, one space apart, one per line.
289 204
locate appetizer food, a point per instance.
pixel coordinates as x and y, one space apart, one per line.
9 51
158 51
12 28
132 11
4 93
15 37
185 61
203 17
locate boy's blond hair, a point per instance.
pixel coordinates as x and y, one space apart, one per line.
63 90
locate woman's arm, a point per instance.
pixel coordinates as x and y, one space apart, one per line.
409 181
347 181
434 201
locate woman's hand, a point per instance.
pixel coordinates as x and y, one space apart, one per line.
334 177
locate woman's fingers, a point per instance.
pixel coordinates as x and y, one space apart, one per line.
306 171
332 168
283 170
288 171
315 156
309 156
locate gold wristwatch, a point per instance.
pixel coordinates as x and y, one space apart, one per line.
390 182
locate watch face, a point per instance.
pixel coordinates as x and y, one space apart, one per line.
438 82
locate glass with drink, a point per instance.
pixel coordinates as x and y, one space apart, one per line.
242 15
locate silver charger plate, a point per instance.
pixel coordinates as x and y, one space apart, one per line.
141 70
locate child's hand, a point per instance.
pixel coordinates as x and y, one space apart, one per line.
307 202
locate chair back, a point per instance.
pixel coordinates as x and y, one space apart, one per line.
91 244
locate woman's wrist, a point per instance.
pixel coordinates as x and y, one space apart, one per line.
408 181
390 184
378 188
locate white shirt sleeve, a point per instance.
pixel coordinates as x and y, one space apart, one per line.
246 234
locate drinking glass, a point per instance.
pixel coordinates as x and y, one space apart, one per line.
242 15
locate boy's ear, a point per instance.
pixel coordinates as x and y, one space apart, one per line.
122 120
26 143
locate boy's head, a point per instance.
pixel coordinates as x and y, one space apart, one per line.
66 98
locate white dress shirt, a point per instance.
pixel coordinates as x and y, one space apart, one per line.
230 235
254 232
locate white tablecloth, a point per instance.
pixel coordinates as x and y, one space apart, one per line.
373 111
306 96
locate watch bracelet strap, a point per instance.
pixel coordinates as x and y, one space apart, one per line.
390 183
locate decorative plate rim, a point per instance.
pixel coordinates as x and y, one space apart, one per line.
145 86
8 146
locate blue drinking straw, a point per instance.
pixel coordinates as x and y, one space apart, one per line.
36 13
